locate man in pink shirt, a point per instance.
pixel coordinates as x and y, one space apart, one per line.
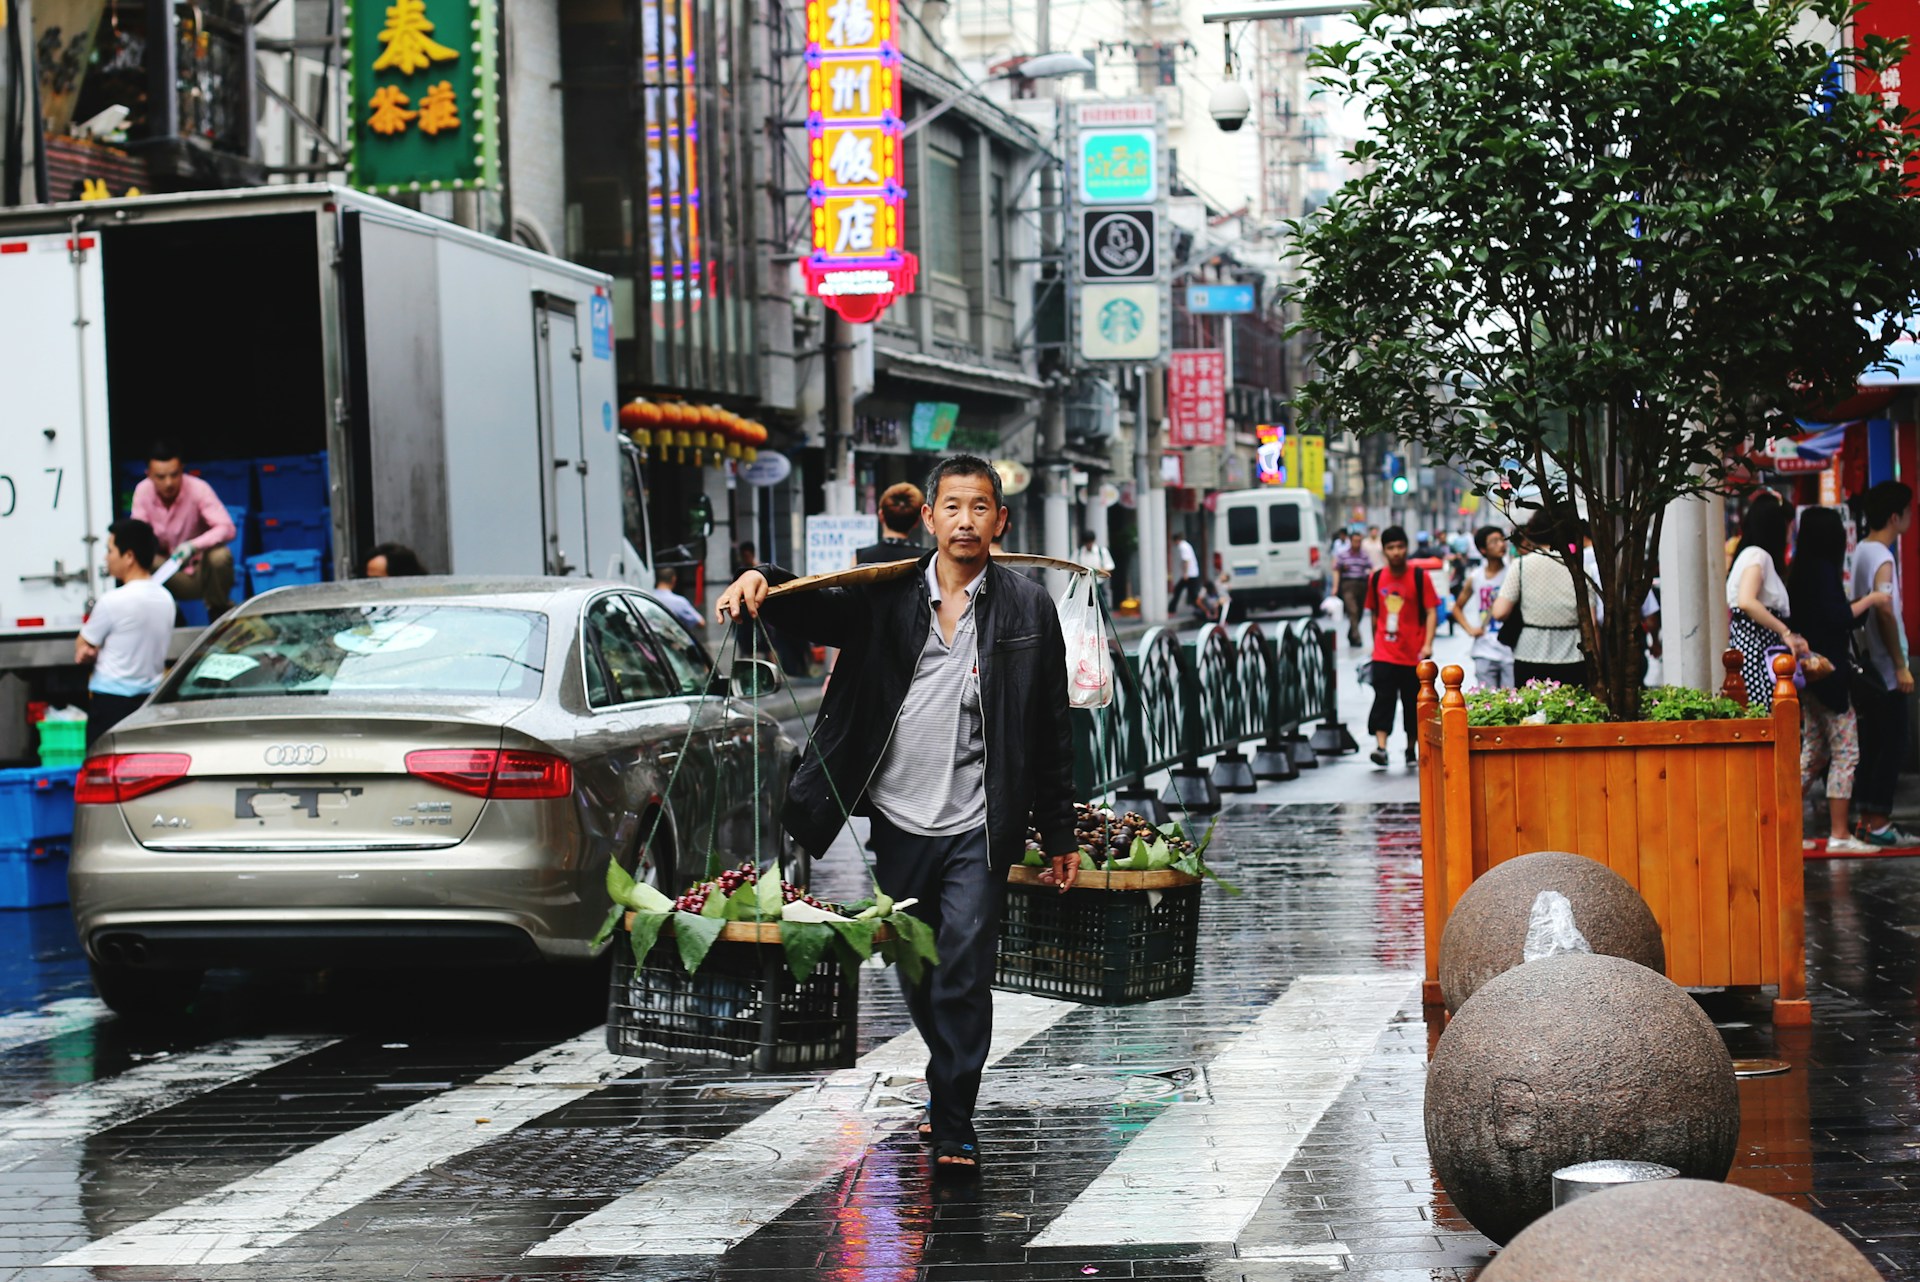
193 527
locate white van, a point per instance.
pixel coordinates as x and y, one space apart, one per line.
1271 545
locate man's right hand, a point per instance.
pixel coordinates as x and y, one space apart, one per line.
1903 680
744 597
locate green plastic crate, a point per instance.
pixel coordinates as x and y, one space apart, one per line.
62 743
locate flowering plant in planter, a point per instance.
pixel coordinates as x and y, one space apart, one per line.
1549 703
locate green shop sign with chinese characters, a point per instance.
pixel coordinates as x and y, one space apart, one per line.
424 94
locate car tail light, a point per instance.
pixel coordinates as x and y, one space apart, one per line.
1219 562
500 774
122 776
1313 556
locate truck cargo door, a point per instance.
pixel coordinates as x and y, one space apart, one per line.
56 488
562 434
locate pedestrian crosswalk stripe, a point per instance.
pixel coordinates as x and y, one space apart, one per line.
728 1191
33 1130
247 1217
1205 1167
55 1019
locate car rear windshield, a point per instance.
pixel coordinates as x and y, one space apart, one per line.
370 650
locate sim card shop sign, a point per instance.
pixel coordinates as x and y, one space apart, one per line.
857 264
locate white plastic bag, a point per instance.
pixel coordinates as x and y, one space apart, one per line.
1550 928
1089 659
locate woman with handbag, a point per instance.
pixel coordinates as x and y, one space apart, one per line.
1829 735
1538 608
1757 603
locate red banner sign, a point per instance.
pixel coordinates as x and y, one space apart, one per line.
1197 398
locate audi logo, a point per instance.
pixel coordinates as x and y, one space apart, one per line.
295 754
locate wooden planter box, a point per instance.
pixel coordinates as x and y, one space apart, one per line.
1702 817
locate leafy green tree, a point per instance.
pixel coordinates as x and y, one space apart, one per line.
1591 244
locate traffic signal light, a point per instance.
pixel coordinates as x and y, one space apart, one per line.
1401 485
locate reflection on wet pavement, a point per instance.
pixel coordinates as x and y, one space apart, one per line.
466 1124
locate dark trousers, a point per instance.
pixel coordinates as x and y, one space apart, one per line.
105 711
1191 589
952 1005
1353 596
1883 747
1567 674
1393 681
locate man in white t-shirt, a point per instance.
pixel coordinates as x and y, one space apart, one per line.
125 638
1885 688
1492 662
1186 576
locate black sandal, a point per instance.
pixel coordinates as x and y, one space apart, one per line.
951 1157
925 1128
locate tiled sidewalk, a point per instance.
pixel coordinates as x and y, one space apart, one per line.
1266 1127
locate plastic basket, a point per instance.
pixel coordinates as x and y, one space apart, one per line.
240 544
62 738
33 874
35 804
292 482
741 1009
231 479
280 568
295 528
1105 947
63 760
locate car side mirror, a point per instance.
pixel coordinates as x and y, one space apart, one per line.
752 678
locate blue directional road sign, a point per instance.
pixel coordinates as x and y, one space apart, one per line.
1219 300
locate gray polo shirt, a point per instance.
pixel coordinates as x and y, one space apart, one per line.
933 778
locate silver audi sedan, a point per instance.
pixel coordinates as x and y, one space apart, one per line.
405 771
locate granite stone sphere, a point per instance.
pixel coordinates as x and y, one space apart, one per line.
1574 1058
1679 1231
1485 934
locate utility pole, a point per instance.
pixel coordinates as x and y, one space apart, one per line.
839 416
1056 476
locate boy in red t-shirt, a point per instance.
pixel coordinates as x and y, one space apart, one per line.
1406 610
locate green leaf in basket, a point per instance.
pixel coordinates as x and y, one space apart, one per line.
742 905
715 907
620 884
645 932
1139 856
695 933
804 941
1034 859
1087 863
767 896
614 914
914 948
1172 828
858 935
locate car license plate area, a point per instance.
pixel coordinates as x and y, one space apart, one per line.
1245 571
291 803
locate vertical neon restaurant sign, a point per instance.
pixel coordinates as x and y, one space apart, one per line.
857 265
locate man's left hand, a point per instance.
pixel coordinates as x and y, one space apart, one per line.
1064 872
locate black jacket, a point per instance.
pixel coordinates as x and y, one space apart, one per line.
880 630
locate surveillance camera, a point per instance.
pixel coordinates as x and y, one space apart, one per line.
1230 104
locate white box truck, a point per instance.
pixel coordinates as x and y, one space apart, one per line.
462 387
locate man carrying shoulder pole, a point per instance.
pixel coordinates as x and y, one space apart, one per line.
945 723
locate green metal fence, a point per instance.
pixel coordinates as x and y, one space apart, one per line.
1214 694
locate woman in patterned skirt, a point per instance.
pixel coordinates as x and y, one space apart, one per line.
1757 602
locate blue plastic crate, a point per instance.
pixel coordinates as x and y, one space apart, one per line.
241 544
231 479
194 611
33 874
286 566
36 803
294 528
292 482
